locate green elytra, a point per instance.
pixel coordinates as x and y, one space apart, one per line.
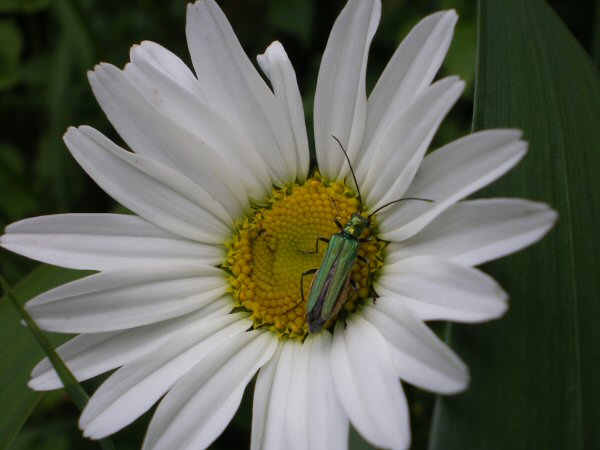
329 288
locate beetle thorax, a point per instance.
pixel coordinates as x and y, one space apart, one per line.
356 225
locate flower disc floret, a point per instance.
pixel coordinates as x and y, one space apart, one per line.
276 244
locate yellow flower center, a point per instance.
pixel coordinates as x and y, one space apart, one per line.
275 245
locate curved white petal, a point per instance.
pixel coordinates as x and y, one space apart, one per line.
477 231
88 355
233 87
340 99
367 386
197 410
129 114
315 418
158 134
104 242
207 144
450 174
127 298
390 166
438 289
164 61
421 358
278 68
271 395
154 191
135 387
411 69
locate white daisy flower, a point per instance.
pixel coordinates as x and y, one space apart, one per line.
201 289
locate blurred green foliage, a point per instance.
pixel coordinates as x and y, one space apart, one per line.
47 46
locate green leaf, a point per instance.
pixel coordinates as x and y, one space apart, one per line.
596 36
535 372
26 6
10 54
294 17
33 6
19 351
69 381
357 442
76 33
21 200
52 159
9 5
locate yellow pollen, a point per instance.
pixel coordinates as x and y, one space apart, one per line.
268 254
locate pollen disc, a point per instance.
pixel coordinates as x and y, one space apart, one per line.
268 253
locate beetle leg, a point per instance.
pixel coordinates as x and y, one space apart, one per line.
354 286
372 290
338 223
305 273
365 260
343 317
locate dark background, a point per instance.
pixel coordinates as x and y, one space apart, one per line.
47 46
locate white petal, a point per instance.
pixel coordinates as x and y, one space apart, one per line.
421 358
196 411
315 418
278 68
438 289
367 386
340 99
477 231
150 122
271 395
104 242
450 174
169 64
233 87
88 355
391 164
117 97
408 73
135 387
207 129
127 298
154 191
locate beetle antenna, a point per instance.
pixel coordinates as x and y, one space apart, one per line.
396 201
351 171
